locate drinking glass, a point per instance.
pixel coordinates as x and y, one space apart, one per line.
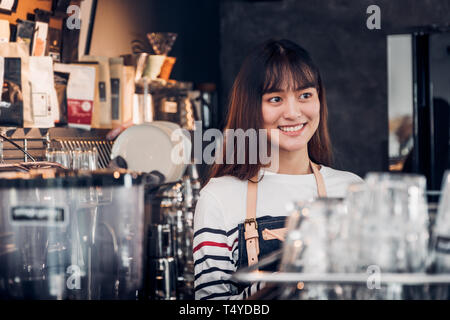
317 242
442 228
441 237
396 222
62 157
394 228
84 159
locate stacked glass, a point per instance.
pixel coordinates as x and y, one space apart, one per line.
78 159
381 226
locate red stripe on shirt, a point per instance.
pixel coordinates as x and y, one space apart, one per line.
212 244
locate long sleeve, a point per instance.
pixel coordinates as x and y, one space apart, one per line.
215 252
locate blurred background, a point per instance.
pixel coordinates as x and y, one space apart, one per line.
215 36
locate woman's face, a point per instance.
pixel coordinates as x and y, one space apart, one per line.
295 114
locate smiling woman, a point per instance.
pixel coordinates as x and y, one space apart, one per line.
240 215
279 87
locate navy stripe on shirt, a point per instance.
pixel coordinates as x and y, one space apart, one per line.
212 269
216 231
216 295
218 258
213 283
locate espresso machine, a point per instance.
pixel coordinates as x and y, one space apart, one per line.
170 264
72 235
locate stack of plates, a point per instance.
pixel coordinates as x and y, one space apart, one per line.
158 145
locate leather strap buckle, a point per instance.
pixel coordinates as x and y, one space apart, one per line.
250 221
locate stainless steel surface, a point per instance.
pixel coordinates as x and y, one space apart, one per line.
89 246
171 236
164 281
160 241
251 274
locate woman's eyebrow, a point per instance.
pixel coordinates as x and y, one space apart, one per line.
303 87
306 86
273 90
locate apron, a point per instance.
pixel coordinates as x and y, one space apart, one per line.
261 236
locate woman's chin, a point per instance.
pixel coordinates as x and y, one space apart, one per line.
292 147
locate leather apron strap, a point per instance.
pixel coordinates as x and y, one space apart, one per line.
250 224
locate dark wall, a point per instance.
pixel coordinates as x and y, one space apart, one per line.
197 45
352 60
196 22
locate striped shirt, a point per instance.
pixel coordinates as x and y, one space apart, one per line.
221 208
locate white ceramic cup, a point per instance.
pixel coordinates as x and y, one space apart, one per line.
154 65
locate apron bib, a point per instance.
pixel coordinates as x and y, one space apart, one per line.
261 236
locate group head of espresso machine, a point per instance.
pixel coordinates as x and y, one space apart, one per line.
170 263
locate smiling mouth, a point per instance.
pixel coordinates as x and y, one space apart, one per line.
294 128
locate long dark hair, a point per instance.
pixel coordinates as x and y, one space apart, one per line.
266 69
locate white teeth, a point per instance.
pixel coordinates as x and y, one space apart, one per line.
290 129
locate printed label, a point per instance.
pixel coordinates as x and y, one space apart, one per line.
38 215
102 91
115 98
79 111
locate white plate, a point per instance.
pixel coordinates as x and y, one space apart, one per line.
170 127
145 148
148 147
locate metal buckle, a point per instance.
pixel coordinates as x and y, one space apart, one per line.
250 221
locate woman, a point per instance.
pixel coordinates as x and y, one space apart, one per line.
278 89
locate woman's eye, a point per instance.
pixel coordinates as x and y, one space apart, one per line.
275 99
306 95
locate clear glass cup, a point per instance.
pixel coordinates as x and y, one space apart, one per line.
394 234
441 230
85 159
317 242
381 223
395 222
62 157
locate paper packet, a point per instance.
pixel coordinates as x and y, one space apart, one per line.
80 94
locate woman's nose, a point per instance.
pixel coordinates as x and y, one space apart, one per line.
292 109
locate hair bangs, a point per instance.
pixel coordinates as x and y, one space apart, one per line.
283 74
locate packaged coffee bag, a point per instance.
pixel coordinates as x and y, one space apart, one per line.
44 105
25 32
15 106
104 90
117 90
96 112
80 94
11 103
40 39
4 31
61 82
54 38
